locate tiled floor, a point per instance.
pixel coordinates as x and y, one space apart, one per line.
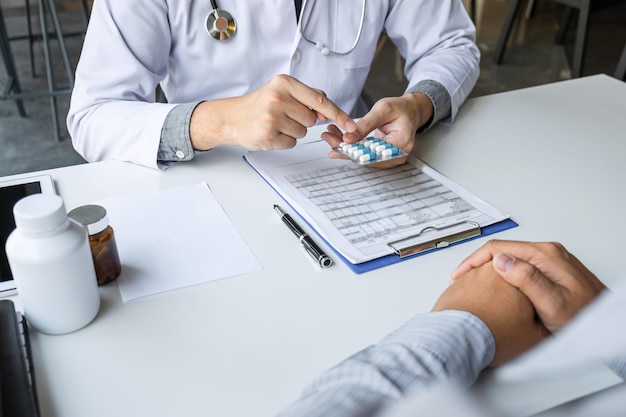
532 58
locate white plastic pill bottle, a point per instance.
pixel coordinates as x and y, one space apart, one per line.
51 263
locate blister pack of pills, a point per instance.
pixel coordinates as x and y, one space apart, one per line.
370 151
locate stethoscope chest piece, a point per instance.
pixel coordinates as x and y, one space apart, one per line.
220 25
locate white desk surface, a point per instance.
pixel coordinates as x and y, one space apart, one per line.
552 156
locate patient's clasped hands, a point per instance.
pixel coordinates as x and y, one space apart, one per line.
523 291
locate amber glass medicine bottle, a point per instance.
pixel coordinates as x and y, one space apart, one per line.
106 258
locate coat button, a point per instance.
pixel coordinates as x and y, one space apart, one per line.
296 57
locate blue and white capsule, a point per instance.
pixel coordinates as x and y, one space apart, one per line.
390 151
381 147
354 148
369 156
368 142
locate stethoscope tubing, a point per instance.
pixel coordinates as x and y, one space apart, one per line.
223 34
323 48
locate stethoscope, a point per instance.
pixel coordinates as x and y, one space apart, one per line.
325 50
220 25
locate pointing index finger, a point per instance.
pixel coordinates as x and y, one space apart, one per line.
318 101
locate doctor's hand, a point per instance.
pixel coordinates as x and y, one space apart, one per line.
272 117
392 119
555 281
503 308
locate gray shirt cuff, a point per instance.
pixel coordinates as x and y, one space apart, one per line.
175 144
442 103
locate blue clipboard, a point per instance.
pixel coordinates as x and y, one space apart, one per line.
392 258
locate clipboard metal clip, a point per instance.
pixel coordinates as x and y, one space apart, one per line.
438 242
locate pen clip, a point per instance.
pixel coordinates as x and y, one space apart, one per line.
469 232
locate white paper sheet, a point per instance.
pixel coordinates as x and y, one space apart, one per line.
173 239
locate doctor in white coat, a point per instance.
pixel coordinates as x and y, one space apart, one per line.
258 73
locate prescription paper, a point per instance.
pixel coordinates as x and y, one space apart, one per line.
359 211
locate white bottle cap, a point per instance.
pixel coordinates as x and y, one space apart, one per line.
39 213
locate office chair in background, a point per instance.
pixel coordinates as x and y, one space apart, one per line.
12 89
48 16
33 37
583 7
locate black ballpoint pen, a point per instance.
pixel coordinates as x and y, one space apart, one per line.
311 248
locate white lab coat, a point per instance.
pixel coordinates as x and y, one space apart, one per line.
133 45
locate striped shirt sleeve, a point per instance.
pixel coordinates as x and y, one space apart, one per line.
435 347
